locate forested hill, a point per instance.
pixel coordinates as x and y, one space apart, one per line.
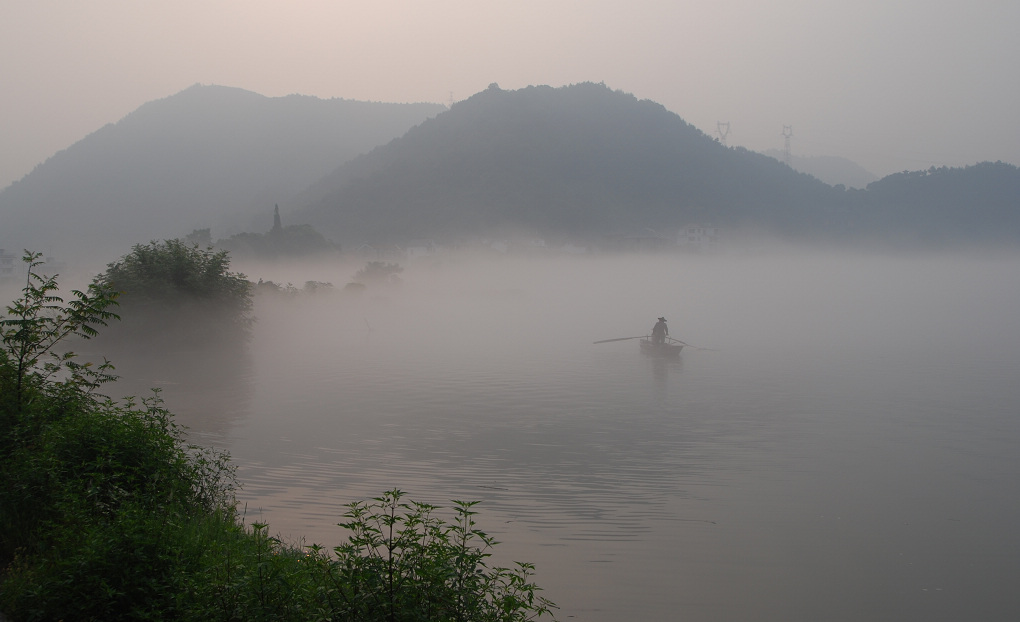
584 162
209 156
978 204
578 162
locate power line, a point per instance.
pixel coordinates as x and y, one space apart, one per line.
723 129
787 135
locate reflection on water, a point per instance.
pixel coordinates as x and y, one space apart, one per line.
845 452
662 367
207 389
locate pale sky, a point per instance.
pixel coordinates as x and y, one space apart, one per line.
891 84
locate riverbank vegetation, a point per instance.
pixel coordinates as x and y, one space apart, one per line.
174 293
108 513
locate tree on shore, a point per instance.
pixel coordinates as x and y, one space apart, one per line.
175 291
379 272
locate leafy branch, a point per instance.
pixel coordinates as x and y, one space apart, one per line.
37 321
401 562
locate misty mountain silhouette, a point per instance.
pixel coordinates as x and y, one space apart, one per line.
583 162
576 163
207 156
833 170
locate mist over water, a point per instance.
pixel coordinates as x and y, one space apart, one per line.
842 448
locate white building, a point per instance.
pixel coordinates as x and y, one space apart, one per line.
698 238
420 248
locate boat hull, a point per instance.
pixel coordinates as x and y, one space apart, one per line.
670 350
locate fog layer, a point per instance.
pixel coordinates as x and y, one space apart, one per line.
837 441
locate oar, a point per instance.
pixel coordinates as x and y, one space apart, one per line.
619 339
689 345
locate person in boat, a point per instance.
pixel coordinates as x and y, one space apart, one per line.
660 331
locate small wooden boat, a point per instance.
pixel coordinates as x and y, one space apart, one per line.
660 349
670 349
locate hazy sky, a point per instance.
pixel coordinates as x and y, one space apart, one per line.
891 84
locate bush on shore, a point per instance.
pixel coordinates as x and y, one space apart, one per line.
175 293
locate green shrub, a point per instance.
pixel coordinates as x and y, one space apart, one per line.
177 293
400 562
403 562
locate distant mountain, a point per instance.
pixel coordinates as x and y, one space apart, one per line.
574 163
833 170
944 206
209 156
586 163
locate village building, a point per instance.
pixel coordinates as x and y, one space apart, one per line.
700 238
420 248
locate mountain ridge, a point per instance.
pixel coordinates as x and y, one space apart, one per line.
582 163
833 170
576 164
572 160
206 156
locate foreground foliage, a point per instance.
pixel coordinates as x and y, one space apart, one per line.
403 562
97 496
107 513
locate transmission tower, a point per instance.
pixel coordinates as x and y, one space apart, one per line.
787 135
723 129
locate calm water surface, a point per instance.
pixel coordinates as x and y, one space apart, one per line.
847 449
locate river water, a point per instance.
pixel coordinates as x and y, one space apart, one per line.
838 442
